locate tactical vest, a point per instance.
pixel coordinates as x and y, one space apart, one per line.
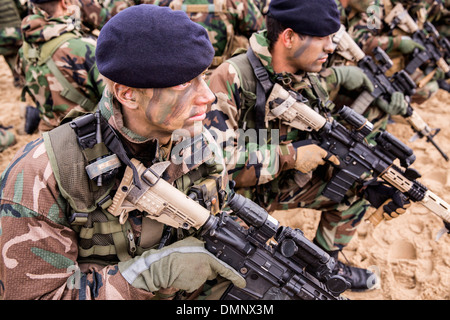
317 97
102 239
218 8
254 96
41 56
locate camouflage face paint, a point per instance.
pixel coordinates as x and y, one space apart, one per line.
168 109
309 53
300 51
172 103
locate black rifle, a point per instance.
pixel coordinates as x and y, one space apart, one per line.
293 269
434 50
386 86
358 157
428 37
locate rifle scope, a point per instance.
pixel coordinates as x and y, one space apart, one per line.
394 147
357 121
254 215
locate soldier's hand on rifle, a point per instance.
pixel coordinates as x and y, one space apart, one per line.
184 265
390 200
309 156
398 104
407 45
351 78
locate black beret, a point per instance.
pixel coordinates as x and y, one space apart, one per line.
147 46
41 1
317 18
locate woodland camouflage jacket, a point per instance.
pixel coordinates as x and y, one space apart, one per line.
75 58
39 249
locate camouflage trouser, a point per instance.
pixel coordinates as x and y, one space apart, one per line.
338 221
7 139
10 43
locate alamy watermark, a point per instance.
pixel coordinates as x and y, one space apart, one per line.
234 147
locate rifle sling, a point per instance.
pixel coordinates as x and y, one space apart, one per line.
263 87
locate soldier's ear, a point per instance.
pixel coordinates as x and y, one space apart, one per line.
127 96
287 37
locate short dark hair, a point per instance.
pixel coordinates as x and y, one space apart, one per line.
49 7
274 29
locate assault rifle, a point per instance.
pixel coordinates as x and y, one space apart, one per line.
375 69
429 39
356 156
293 268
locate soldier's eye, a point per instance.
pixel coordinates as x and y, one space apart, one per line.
183 85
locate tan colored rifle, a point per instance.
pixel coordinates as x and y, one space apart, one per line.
157 198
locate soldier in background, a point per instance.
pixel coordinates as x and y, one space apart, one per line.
58 240
57 62
379 111
370 32
11 14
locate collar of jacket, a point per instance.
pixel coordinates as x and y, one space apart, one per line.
40 28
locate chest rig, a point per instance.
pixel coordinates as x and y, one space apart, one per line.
88 160
256 85
256 88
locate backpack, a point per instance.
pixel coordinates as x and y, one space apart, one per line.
43 56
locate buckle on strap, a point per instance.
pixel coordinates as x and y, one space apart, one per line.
85 129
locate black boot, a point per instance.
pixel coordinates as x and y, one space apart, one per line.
360 279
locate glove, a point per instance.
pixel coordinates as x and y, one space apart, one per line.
351 78
407 45
397 105
184 265
309 156
393 201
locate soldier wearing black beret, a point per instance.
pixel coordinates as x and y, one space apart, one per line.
289 173
153 60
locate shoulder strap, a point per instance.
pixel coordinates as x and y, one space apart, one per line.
70 92
69 170
40 54
248 86
263 87
255 84
43 55
320 92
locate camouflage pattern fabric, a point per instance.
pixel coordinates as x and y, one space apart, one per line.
11 14
441 19
262 170
7 139
368 31
75 59
39 248
94 14
243 17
